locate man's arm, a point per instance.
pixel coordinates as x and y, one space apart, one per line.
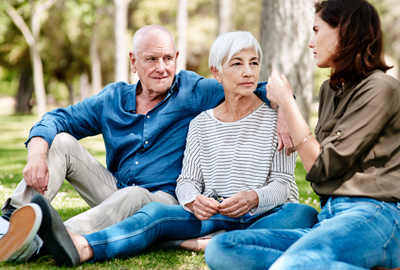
36 172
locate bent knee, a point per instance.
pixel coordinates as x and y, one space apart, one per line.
63 140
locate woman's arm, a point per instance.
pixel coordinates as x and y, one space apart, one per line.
190 183
280 92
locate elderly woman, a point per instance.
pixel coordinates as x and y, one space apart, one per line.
233 177
353 163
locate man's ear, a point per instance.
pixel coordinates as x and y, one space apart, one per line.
176 56
133 61
215 73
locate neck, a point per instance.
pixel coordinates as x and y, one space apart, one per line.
147 100
236 107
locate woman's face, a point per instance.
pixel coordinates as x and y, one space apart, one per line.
240 74
323 42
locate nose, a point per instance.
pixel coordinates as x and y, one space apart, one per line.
247 72
160 66
311 44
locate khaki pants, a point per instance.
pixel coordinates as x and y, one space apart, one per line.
68 159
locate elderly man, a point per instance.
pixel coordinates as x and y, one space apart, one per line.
144 127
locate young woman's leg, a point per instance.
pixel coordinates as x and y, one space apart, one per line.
288 216
249 249
355 233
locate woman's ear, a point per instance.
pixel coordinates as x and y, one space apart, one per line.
215 73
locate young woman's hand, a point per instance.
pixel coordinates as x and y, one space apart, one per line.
278 89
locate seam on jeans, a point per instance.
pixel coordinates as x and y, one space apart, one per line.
71 155
387 243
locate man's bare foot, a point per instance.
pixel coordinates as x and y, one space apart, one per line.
82 245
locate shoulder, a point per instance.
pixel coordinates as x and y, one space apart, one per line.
381 86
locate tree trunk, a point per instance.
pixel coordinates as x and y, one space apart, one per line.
181 26
25 91
224 16
286 28
38 80
95 59
120 25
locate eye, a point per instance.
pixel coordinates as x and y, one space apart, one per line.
254 63
236 64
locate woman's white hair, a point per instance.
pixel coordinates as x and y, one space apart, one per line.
226 45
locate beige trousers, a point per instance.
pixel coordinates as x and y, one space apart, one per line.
68 159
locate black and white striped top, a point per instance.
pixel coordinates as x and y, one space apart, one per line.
224 158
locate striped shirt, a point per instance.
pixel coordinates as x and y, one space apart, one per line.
224 158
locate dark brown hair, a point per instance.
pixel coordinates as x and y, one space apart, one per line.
360 44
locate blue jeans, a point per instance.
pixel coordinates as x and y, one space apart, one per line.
352 233
156 220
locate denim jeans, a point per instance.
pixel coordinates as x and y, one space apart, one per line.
156 221
352 233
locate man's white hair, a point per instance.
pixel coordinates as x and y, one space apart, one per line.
226 45
143 31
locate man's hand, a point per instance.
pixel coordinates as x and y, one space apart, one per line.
239 204
203 207
36 172
284 139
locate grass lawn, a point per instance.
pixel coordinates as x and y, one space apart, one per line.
14 130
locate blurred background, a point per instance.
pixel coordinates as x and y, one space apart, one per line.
54 53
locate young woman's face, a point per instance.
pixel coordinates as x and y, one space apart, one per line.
324 42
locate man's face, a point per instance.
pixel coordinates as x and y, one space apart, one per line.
155 62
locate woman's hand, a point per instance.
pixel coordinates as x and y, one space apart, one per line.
239 204
278 88
203 207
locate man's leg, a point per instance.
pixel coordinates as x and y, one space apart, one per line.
68 159
356 233
119 206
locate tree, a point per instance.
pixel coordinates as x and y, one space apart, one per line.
286 28
32 38
121 23
181 26
224 16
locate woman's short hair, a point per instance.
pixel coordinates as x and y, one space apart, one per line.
360 44
228 44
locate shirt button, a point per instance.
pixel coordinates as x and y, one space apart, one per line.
148 116
136 162
146 142
339 133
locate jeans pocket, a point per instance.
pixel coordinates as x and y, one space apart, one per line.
392 248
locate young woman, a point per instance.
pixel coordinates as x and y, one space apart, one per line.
353 163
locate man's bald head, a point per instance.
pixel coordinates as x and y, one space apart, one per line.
149 32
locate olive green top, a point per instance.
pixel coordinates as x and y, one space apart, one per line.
359 133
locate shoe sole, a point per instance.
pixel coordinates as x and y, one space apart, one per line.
24 224
55 235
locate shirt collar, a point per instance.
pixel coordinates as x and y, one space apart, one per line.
130 98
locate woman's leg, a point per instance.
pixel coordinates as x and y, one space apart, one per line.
355 233
249 249
134 234
288 216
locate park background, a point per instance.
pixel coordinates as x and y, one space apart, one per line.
54 53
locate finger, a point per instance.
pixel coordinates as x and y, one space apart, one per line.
41 178
275 73
35 183
47 180
280 143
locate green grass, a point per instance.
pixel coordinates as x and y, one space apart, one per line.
14 130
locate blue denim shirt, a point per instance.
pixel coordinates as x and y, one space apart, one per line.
143 150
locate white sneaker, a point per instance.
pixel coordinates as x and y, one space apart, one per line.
18 238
